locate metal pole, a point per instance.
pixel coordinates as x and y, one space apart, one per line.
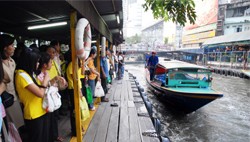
220 59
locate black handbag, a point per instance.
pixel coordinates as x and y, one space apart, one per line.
7 99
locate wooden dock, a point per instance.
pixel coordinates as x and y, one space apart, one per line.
122 123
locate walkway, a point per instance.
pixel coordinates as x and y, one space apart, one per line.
122 123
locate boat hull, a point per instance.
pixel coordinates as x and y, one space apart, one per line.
182 100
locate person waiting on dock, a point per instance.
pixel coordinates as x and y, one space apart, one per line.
116 63
69 74
104 74
31 96
2 110
45 64
152 62
93 75
120 65
14 112
55 71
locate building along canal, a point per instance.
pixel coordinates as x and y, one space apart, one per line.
224 120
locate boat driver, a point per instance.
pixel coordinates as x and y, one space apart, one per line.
152 62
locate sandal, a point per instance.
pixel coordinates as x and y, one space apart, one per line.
105 100
114 105
59 139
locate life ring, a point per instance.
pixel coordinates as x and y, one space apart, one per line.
83 38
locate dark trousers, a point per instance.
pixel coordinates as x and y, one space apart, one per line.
104 86
72 112
152 70
65 102
83 80
54 116
38 129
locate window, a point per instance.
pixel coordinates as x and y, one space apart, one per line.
239 28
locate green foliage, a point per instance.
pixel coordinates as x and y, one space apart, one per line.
134 39
176 10
166 40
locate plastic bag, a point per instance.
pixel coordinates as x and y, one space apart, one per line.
99 92
84 109
89 95
51 99
13 133
108 79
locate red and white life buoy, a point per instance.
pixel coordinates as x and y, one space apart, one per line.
83 38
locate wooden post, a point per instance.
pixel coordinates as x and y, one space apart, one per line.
107 45
111 46
73 20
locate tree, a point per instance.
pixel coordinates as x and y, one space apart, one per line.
176 10
134 39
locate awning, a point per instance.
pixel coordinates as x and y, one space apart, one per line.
235 38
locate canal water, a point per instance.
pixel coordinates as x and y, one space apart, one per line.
224 120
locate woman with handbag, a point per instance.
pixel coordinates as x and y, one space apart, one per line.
93 74
45 64
55 72
31 96
13 112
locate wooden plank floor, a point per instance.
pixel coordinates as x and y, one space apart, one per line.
122 123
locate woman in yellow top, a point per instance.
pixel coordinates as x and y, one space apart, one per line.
54 72
69 74
93 74
31 96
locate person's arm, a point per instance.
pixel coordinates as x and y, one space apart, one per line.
96 73
103 72
149 61
34 89
2 87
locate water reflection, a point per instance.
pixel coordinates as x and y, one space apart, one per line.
224 120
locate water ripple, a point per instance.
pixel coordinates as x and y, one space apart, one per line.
223 120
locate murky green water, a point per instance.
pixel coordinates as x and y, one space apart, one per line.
224 120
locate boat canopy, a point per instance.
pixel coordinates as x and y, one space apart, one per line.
174 64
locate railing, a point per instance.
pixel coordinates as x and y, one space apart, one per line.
232 59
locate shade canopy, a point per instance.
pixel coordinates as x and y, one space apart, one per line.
235 38
16 16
